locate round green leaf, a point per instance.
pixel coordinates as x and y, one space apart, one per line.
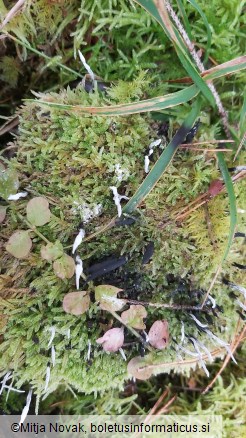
76 303
106 290
2 213
64 267
107 295
52 251
38 212
19 244
9 182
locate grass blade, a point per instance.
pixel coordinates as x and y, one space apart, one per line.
154 104
158 10
163 161
232 201
226 68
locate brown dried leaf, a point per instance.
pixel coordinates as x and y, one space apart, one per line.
159 335
134 317
76 303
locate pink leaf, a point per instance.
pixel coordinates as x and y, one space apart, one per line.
158 334
139 369
112 340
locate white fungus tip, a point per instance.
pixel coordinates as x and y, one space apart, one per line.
52 330
26 408
121 351
17 196
78 239
146 164
53 355
87 67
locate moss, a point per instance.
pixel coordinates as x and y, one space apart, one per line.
70 159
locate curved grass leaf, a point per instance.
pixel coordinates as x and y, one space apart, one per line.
232 201
156 103
163 161
157 9
226 68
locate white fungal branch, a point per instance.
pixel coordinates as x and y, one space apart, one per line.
89 350
182 332
52 331
200 356
17 196
204 348
78 270
241 305
151 150
47 378
5 379
197 321
154 144
146 164
68 333
26 408
53 355
146 336
221 343
87 67
117 199
78 239
121 351
185 350
212 301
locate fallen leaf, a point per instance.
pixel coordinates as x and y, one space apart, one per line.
112 340
38 212
134 317
107 296
52 251
159 335
76 303
19 244
64 267
139 369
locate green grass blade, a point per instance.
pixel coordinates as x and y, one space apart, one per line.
173 35
226 68
232 201
163 161
154 104
209 34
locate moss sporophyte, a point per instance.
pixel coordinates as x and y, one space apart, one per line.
84 289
